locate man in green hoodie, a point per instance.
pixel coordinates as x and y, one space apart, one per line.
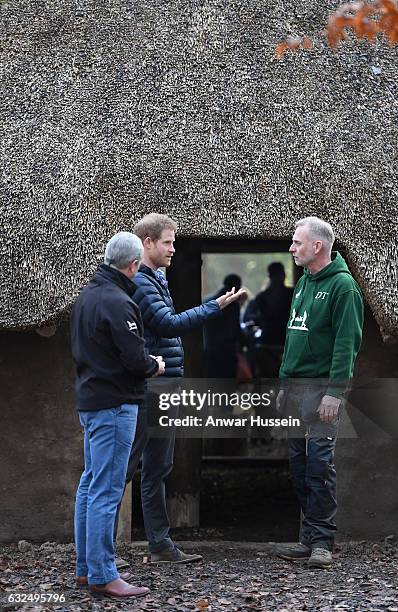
323 337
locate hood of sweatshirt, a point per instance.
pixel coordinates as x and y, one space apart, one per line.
334 267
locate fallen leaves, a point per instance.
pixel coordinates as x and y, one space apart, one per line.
230 579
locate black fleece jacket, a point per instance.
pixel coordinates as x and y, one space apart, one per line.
108 344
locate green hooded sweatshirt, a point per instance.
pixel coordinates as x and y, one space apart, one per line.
324 330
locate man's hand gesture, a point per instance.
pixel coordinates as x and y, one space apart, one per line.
229 297
329 408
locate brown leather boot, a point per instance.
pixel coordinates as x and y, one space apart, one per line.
117 589
82 581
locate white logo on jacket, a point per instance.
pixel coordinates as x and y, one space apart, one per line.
298 322
132 325
321 295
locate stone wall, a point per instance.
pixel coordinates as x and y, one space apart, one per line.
368 465
40 441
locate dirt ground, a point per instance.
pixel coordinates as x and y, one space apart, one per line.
233 576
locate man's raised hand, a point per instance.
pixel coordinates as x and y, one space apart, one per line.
229 297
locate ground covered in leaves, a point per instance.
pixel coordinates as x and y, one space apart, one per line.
233 576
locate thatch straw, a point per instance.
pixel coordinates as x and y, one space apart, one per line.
113 108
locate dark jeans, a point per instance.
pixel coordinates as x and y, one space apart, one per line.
157 463
311 458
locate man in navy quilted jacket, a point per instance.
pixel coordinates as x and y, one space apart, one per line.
162 329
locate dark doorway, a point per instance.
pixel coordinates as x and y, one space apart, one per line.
245 494
245 485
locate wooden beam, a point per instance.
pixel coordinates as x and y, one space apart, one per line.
183 487
124 526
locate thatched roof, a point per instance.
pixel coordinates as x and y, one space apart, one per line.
110 109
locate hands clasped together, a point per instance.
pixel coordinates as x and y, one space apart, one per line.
161 363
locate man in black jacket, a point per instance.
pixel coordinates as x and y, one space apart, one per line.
273 306
112 364
163 328
222 336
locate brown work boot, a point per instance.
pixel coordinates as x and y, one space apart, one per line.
117 589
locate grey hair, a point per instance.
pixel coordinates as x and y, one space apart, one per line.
122 249
319 229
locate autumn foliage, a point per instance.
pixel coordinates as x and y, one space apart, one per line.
364 19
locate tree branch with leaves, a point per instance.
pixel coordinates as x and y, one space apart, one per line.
366 20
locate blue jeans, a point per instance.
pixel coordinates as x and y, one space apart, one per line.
108 438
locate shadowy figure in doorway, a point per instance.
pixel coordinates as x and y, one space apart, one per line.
222 336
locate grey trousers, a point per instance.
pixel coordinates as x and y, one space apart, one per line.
157 463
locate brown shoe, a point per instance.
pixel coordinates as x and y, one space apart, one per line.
118 589
82 581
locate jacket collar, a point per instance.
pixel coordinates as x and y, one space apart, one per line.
147 270
107 273
157 275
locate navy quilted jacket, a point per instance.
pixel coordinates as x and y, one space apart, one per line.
162 326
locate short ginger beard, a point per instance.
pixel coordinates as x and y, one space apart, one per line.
154 260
